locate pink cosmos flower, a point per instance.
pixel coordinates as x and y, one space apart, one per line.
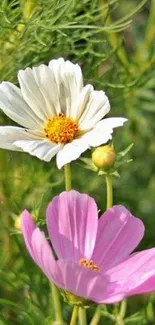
94 261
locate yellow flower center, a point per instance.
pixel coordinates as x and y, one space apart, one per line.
61 129
89 264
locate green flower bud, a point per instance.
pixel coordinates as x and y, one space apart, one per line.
17 223
104 157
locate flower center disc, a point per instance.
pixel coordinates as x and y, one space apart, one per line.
89 264
60 129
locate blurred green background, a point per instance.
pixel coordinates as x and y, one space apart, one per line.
114 43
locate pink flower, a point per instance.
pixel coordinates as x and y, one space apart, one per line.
94 261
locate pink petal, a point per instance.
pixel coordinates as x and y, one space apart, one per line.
118 234
72 225
27 227
39 248
137 274
89 284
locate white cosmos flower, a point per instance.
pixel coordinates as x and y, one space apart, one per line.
58 115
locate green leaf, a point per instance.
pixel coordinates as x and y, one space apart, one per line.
123 162
124 152
88 164
115 173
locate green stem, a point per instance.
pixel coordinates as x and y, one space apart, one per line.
109 191
97 315
150 312
57 304
144 49
121 316
82 316
68 183
150 24
113 38
123 308
74 315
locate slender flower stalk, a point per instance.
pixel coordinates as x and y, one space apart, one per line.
112 38
55 292
109 205
141 54
82 316
109 191
68 186
121 315
123 308
97 315
150 311
68 182
57 304
74 315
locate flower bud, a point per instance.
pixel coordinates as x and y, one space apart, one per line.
17 223
104 157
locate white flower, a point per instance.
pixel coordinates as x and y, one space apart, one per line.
59 116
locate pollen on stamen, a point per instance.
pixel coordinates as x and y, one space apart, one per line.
60 129
89 264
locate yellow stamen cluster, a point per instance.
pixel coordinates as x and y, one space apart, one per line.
89 264
61 129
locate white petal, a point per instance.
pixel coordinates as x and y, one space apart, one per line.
71 151
83 101
43 149
48 88
14 106
31 87
14 138
103 131
68 77
10 134
97 107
